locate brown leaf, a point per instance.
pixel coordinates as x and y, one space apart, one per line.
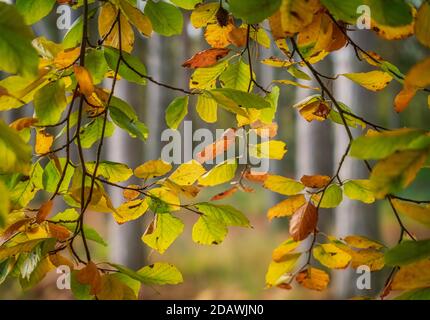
59 232
23 123
12 229
90 275
258 177
218 147
238 37
59 260
206 58
315 181
44 211
303 222
225 194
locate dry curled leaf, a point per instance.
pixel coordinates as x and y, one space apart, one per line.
315 181
225 194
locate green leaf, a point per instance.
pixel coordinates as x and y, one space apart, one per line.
127 69
186 4
50 102
158 273
253 11
80 291
224 213
219 174
359 190
34 10
235 98
124 116
176 112
15 154
166 19
209 230
207 108
205 78
382 144
17 53
92 132
51 176
343 10
37 275
96 64
390 13
332 197
4 205
350 120
407 252
236 76
268 114
73 37
6 267
110 171
163 232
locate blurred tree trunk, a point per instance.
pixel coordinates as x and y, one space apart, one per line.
149 106
353 217
314 147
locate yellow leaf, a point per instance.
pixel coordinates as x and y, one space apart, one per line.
396 32
374 80
277 62
293 83
292 17
287 207
107 17
218 36
415 211
189 191
282 251
85 80
273 149
313 108
278 271
136 17
283 185
412 276
152 168
331 256
369 257
167 196
187 173
313 278
130 194
221 173
130 210
205 78
66 57
362 242
204 14
207 109
44 142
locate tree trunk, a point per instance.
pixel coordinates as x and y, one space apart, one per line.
352 217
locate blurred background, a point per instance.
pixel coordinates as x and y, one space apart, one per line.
236 268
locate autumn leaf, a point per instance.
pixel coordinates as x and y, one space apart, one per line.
217 36
85 80
206 58
44 141
331 256
315 181
210 152
303 222
313 278
152 168
90 275
373 80
286 207
225 194
44 211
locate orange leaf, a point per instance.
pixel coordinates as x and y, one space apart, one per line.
23 123
59 232
206 58
131 194
238 37
225 194
90 275
303 222
287 207
313 278
44 142
44 211
85 80
255 176
66 58
218 147
316 181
